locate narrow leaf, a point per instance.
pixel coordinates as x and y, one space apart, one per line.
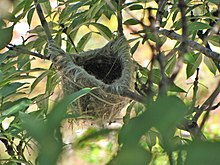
38 79
84 40
131 22
134 48
136 7
16 108
59 109
6 36
210 64
197 26
10 88
214 40
191 67
104 30
30 16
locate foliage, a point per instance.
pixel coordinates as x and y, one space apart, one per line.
159 119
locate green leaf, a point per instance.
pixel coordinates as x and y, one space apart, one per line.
30 16
134 48
194 60
134 155
156 76
84 40
189 58
104 30
24 62
131 22
16 108
210 64
136 7
38 79
59 109
216 2
193 26
75 7
46 7
203 153
52 80
174 88
9 16
27 5
19 7
151 138
214 40
6 36
170 65
10 88
76 24
94 9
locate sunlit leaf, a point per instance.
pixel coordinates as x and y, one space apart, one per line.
174 88
214 40
59 109
16 108
170 65
210 64
38 79
194 60
104 30
10 88
84 40
193 26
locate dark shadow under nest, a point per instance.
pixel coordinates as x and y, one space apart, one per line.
109 69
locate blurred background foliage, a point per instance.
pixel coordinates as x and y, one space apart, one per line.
32 111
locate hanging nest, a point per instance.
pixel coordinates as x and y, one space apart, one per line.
109 69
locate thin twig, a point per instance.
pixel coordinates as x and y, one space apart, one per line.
195 90
184 44
119 16
21 50
194 45
69 37
160 12
193 129
207 103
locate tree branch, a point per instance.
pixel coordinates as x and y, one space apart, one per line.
43 21
21 50
160 12
207 103
194 45
119 18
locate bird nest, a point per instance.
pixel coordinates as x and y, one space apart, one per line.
109 69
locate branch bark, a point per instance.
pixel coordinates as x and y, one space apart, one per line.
194 45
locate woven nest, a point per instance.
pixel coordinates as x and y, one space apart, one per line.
110 69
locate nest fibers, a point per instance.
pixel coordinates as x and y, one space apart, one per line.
109 69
